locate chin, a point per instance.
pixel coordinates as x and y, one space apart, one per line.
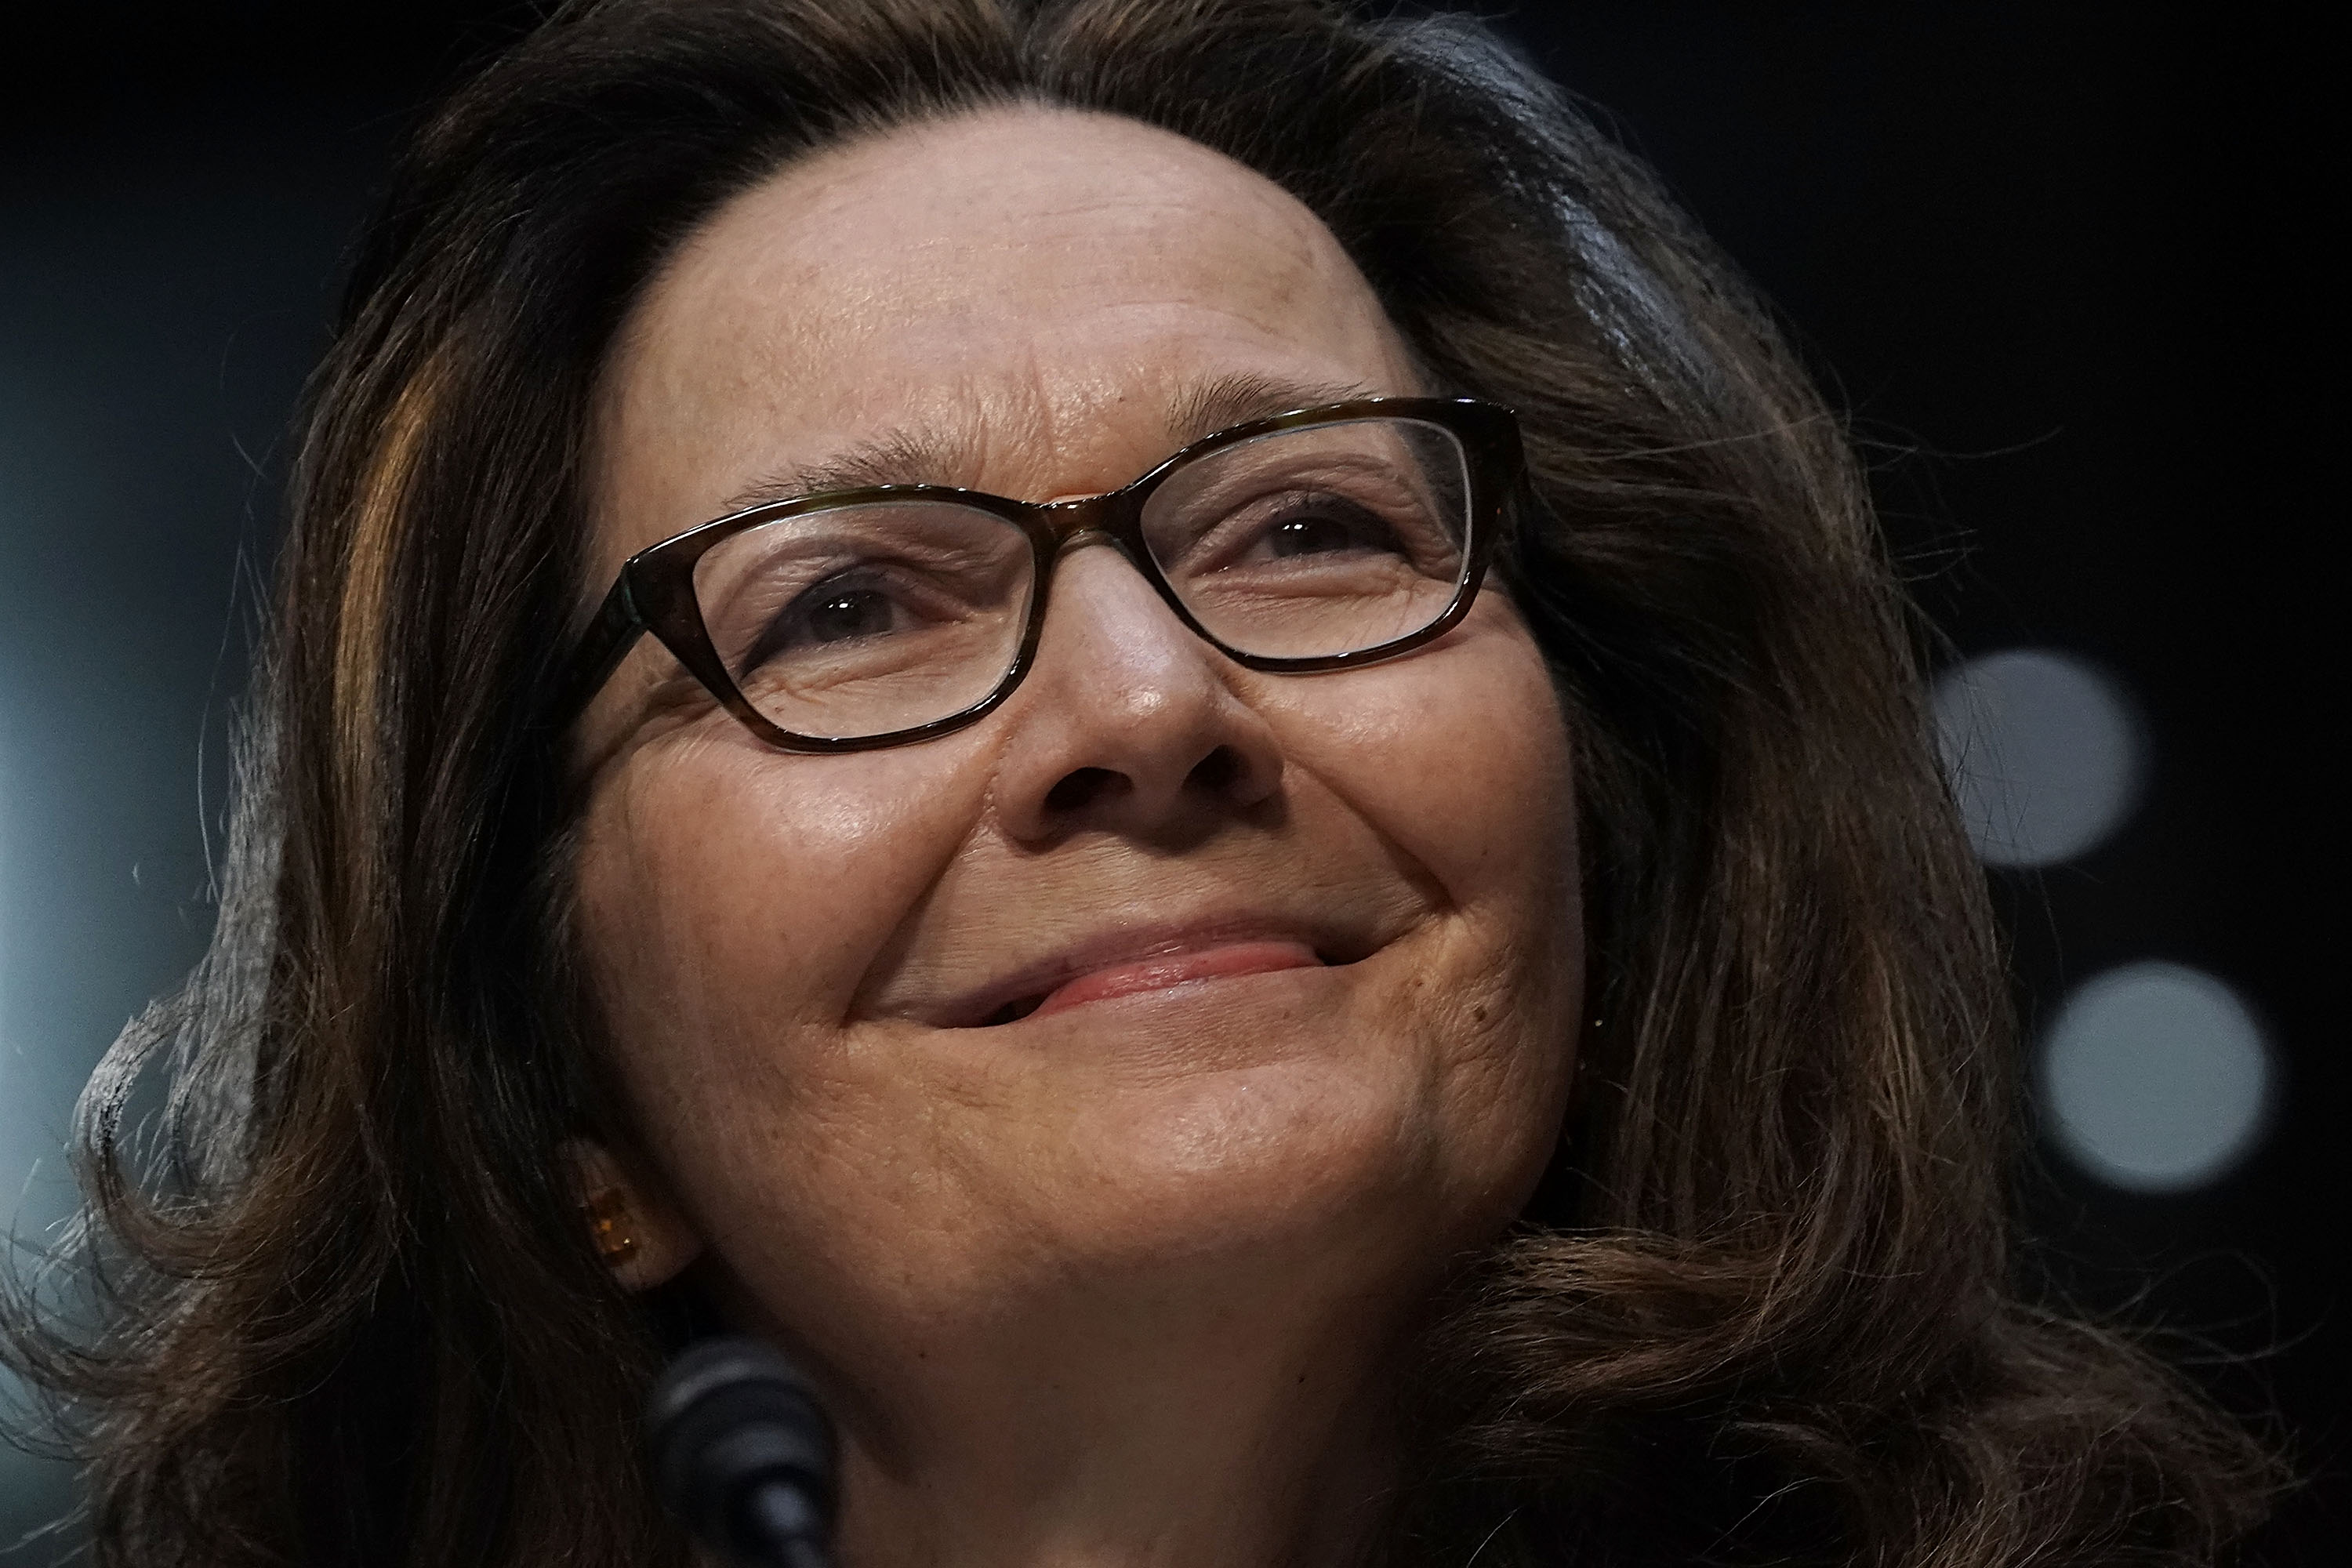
1311 1158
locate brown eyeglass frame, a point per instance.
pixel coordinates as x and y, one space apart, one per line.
654 591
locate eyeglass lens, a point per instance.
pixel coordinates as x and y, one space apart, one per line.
863 619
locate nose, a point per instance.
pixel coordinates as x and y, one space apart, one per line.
1125 723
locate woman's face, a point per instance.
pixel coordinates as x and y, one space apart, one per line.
1315 936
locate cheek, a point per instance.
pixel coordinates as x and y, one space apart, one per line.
1461 762
732 899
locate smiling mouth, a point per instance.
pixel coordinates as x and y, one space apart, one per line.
1161 971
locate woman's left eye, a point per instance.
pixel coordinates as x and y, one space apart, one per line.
844 613
1327 528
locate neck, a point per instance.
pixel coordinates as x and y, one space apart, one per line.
1187 1435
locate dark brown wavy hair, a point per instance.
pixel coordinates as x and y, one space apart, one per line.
339 1308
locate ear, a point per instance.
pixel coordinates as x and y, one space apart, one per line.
633 1224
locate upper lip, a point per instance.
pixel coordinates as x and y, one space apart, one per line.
1130 944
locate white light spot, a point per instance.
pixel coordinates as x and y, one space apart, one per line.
2155 1078
2042 751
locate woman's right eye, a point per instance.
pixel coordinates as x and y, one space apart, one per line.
844 608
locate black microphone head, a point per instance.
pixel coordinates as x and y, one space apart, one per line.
742 1451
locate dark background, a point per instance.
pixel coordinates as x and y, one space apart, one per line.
2063 268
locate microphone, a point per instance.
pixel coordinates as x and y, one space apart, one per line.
744 1454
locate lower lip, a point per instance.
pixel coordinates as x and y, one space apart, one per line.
1179 969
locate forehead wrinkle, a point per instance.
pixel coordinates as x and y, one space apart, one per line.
959 446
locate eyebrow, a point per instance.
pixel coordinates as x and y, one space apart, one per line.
1206 408
909 456
903 457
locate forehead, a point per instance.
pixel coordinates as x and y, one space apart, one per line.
1035 291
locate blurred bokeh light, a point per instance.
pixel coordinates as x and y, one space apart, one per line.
2155 1078
2043 753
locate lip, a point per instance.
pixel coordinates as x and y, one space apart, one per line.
1127 963
1229 961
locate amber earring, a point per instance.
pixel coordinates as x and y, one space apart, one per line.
608 1215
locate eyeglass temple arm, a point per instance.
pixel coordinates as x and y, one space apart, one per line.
599 652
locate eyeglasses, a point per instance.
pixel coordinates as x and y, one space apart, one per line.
1324 538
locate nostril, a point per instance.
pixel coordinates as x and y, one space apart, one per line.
1218 771
1082 787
